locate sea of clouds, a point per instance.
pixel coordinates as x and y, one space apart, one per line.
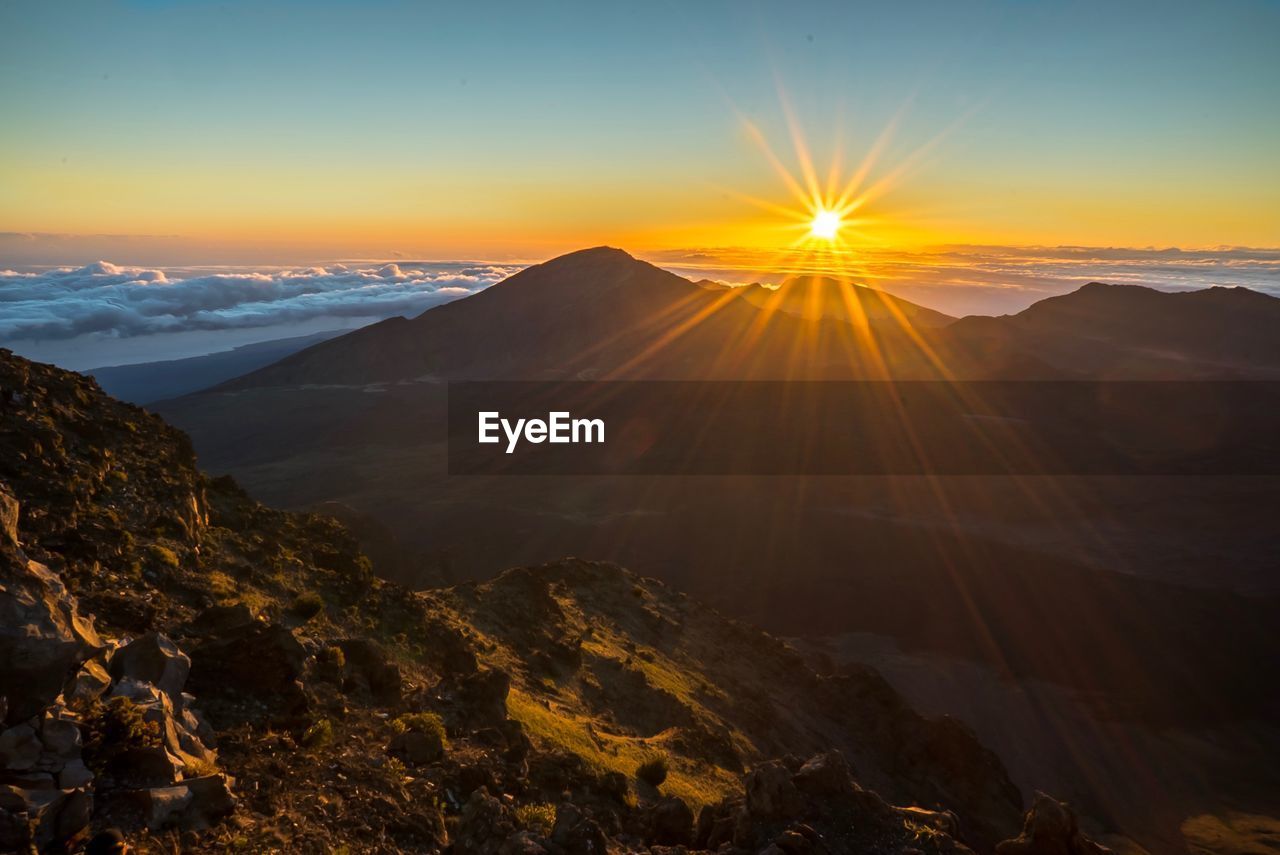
993 280
125 302
106 314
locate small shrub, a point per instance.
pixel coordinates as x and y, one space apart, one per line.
115 727
197 767
652 771
330 663
307 605
423 722
163 555
318 734
536 817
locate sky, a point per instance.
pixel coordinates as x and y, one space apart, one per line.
175 169
280 131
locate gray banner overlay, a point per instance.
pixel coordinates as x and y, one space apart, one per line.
864 428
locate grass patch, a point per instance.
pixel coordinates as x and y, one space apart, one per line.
538 818
423 722
163 556
697 783
318 734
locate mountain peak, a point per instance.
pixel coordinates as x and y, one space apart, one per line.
593 255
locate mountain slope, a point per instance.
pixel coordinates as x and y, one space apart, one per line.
822 296
334 710
1132 332
599 313
153 381
594 313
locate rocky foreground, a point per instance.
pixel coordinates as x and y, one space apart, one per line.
207 674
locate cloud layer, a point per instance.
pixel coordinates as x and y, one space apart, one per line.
131 301
964 280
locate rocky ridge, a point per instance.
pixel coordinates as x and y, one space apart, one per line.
206 673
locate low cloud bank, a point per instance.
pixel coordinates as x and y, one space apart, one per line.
991 280
127 302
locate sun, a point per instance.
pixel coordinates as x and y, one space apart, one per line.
825 224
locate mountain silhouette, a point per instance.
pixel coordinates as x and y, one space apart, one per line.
602 314
826 297
1133 332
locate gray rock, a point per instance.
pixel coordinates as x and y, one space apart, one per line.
88 684
154 659
671 823
165 805
771 793
825 776
144 768
8 517
74 774
43 638
54 816
20 748
1050 828
61 736
416 748
157 707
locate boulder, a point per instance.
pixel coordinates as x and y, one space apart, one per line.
43 638
46 819
671 822
154 659
87 684
20 748
220 619
771 794
144 767
483 826
1050 828
259 660
480 699
60 736
416 748
825 776
74 774
799 839
8 517
522 843
193 804
716 824
368 668
180 738
576 833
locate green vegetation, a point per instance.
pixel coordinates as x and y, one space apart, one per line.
652 771
536 817
422 722
697 783
114 727
318 734
307 605
163 555
197 767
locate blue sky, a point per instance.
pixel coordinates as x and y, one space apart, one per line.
464 130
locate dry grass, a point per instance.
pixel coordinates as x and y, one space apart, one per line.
698 784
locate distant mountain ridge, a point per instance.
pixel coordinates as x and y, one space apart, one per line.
145 382
600 313
1130 330
827 297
